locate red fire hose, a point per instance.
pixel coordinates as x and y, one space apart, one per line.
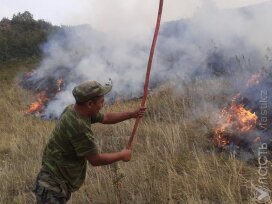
129 145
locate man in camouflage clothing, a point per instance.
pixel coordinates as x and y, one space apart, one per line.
72 144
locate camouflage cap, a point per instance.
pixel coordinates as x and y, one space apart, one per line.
89 90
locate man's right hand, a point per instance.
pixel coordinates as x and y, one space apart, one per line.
109 158
126 155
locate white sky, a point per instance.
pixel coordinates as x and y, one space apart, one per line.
107 14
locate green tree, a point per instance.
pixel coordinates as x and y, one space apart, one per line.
22 36
25 17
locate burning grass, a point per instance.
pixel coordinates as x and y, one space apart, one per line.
174 160
44 93
239 125
236 120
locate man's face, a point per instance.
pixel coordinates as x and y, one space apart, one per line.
95 107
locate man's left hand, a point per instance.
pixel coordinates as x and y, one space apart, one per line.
139 113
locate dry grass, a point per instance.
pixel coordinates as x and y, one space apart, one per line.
174 160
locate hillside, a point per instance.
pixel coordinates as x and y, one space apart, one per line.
174 157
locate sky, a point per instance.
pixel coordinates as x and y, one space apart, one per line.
107 15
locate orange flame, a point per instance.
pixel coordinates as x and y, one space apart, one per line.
38 106
234 119
220 138
42 98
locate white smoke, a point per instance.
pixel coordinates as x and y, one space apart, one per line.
207 44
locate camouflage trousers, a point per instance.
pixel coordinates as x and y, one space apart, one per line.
49 190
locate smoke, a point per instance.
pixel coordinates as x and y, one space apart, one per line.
231 44
77 54
121 17
224 46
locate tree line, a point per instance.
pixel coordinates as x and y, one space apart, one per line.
22 36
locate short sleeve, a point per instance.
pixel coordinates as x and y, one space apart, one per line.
98 118
84 144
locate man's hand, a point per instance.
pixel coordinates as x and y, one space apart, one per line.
109 158
139 113
112 118
126 155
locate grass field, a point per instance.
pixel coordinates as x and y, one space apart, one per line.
174 158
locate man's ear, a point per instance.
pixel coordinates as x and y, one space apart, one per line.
90 104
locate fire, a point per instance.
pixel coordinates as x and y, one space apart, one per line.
43 97
235 119
245 120
220 138
38 105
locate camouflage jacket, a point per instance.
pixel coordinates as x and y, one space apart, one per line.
70 141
